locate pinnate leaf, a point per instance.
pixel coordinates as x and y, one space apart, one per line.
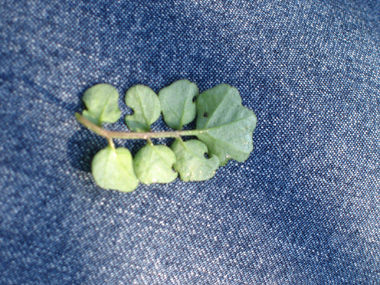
191 163
177 103
113 169
153 164
227 125
223 126
101 102
146 106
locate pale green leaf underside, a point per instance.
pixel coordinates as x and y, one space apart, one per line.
229 126
101 101
191 162
177 103
153 164
113 169
146 106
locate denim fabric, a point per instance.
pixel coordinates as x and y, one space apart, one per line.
303 209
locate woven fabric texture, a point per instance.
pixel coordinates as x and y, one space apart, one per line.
303 209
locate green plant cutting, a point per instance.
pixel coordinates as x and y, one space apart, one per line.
223 131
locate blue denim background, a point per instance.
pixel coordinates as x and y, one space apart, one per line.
303 209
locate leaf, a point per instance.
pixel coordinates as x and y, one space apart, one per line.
191 162
223 126
177 103
153 164
113 169
146 106
227 125
101 102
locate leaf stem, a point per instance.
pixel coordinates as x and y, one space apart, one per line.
109 135
110 142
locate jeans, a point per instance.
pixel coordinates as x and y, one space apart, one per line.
303 209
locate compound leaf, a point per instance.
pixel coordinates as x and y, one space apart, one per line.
101 102
177 103
113 169
227 125
191 163
153 164
146 106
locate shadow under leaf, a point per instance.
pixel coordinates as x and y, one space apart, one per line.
82 147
